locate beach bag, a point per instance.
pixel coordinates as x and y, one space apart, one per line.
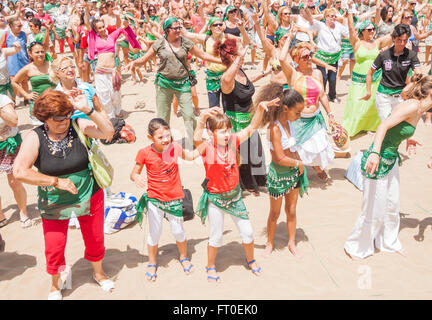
353 173
102 170
119 211
340 136
187 206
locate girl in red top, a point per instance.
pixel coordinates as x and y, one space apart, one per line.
221 188
164 191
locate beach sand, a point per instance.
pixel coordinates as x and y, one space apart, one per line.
325 217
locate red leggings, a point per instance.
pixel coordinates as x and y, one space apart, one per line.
92 229
69 42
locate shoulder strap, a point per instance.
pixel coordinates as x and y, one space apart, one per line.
81 135
187 69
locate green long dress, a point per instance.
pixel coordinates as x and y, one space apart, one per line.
361 115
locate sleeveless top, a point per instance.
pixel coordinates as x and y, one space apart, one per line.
209 48
41 83
17 61
234 31
240 99
309 88
285 141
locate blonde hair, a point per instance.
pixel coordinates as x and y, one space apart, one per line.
54 68
294 51
420 88
327 11
280 14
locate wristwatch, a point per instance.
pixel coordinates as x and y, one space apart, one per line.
91 111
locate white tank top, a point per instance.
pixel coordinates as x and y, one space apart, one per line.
301 22
285 141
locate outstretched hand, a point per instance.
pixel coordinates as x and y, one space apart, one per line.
79 100
411 146
266 104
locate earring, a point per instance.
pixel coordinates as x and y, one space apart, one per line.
46 127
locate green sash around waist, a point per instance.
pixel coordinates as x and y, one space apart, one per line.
56 204
388 91
329 58
11 143
281 179
361 78
213 80
387 162
4 88
182 85
174 207
239 120
305 128
230 201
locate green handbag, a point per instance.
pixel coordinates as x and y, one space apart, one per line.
102 170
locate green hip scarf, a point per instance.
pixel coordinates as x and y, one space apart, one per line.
182 85
11 143
239 120
281 179
361 78
387 162
134 56
230 201
174 208
213 80
61 33
4 88
56 204
123 44
346 46
329 58
305 128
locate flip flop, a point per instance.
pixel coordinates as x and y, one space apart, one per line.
3 223
254 271
188 268
217 279
27 223
148 274
107 285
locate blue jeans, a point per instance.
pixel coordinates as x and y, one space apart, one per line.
329 76
214 98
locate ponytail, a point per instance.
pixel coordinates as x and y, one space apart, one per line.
420 86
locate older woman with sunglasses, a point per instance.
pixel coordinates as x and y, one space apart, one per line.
313 145
361 115
37 72
210 40
65 183
406 18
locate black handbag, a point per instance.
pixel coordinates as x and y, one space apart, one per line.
192 78
187 206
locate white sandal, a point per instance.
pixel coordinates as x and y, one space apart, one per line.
27 223
55 295
106 285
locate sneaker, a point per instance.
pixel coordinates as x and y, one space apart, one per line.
335 100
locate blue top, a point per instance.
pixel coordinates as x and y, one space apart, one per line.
89 92
17 61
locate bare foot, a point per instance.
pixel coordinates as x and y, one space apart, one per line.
268 250
402 253
293 249
323 176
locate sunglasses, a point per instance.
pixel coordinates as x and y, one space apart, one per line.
370 30
217 25
409 17
67 67
218 12
286 13
307 56
176 28
61 118
331 16
232 11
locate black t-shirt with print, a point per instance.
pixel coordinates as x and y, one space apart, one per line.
395 68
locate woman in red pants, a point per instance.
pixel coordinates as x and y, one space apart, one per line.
65 183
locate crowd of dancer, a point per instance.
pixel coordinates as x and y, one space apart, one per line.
74 94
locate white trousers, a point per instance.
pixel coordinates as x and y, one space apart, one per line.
110 99
378 224
155 219
385 104
216 220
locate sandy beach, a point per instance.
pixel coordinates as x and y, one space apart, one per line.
325 218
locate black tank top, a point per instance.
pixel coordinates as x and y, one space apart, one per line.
240 99
234 31
76 157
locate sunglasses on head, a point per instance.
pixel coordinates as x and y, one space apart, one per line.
62 118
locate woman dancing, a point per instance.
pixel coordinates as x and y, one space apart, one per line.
313 145
362 115
378 224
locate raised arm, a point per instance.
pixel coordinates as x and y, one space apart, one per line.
204 55
354 39
267 46
228 78
271 21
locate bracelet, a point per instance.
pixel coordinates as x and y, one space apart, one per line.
56 182
91 111
262 74
375 153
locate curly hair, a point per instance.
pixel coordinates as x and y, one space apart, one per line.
225 50
51 103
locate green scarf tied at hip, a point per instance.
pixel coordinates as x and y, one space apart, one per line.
11 143
174 207
280 32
